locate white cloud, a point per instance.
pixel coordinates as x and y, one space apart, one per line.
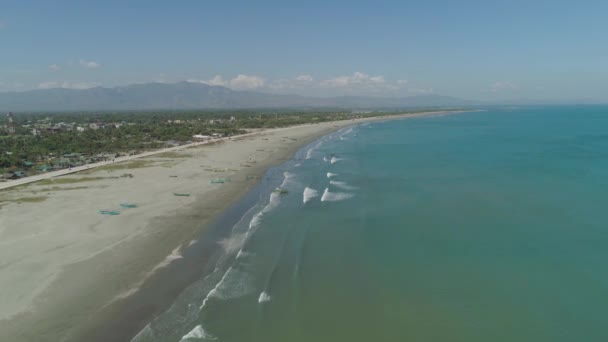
239 82
357 83
67 85
54 67
217 80
502 86
89 64
247 82
356 79
304 78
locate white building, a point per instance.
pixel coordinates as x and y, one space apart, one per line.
200 137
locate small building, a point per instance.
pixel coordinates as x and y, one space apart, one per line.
200 137
17 175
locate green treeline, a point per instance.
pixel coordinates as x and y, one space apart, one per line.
42 138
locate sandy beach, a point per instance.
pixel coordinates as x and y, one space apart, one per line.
63 263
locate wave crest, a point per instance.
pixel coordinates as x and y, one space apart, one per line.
197 333
343 185
264 297
334 196
309 194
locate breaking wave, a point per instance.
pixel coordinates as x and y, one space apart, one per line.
233 243
197 333
329 174
335 160
343 135
334 196
310 151
264 297
343 185
242 254
309 194
234 284
273 203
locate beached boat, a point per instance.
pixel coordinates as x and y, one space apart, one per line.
109 212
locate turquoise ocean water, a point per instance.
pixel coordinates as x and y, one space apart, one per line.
481 226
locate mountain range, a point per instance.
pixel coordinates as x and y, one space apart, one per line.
189 95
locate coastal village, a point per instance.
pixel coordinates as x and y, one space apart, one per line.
32 144
52 161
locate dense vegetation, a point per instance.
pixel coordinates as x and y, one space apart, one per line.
132 132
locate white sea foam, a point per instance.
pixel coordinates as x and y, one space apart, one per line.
232 243
310 151
335 160
343 135
237 283
342 185
197 333
334 196
272 203
175 255
288 178
264 297
234 284
255 220
309 194
242 254
329 174
325 159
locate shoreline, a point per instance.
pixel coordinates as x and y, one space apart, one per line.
136 268
58 173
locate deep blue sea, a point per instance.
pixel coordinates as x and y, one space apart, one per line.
481 226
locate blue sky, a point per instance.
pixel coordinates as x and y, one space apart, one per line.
471 49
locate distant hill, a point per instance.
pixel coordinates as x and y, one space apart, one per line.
187 95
